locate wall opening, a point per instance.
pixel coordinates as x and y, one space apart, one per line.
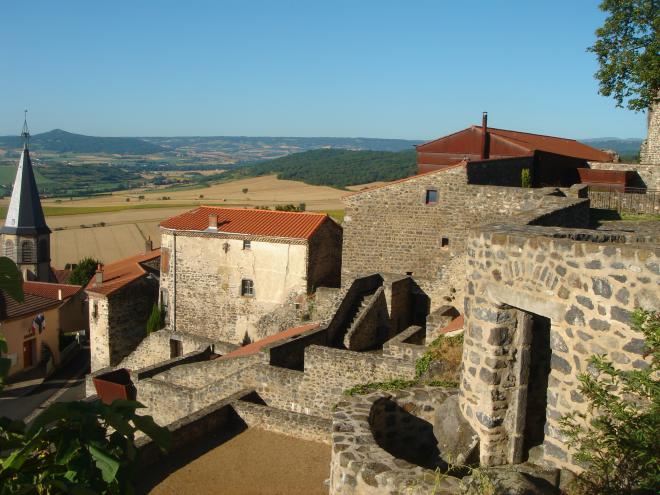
176 348
537 385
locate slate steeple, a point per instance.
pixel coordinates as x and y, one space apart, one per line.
25 215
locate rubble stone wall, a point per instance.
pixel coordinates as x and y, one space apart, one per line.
587 283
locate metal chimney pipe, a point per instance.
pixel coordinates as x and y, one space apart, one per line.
485 141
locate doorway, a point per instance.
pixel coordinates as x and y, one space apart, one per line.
537 383
29 349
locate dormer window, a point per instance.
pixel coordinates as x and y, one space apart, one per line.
431 196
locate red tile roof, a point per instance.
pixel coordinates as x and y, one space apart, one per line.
267 223
120 273
255 347
51 291
38 297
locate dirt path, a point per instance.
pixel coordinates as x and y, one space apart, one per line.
255 462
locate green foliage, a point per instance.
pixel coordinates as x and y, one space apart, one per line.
525 178
336 168
75 447
438 350
628 50
11 280
156 319
619 439
84 271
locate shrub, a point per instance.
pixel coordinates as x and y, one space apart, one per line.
525 178
84 271
156 319
245 190
618 440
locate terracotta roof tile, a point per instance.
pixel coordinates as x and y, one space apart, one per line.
120 273
267 223
255 347
51 291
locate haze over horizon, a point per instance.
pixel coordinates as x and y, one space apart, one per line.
373 69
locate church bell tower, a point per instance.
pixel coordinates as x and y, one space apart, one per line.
25 235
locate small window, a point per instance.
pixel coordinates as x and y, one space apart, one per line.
444 242
9 249
247 244
176 348
431 196
27 254
247 288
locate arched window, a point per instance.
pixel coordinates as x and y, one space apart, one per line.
43 250
27 252
9 249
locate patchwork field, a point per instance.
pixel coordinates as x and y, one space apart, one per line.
110 227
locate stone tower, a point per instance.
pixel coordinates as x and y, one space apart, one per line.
25 235
650 152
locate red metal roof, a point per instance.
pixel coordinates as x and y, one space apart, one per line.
268 223
120 273
506 143
255 347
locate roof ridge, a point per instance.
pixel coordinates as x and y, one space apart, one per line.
530 133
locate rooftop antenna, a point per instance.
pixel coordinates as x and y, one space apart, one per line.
25 133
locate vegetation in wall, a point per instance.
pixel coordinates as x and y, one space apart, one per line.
84 271
525 178
156 319
446 351
618 440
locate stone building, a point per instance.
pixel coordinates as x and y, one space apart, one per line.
650 152
25 235
121 298
541 301
237 275
419 225
32 328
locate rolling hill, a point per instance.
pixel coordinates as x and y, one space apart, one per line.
60 141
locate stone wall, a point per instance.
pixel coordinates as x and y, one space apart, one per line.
205 271
650 152
584 284
118 322
391 229
649 173
324 261
626 202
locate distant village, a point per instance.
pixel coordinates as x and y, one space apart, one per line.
267 318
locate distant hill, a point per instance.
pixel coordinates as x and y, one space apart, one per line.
60 141
624 147
336 167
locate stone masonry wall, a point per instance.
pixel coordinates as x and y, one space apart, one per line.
650 152
203 283
586 287
392 230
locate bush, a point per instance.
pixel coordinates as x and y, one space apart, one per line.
84 271
156 319
245 190
525 178
619 439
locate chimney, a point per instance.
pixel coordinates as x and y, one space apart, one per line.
148 245
98 277
213 221
59 294
485 138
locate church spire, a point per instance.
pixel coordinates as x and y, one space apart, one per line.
24 215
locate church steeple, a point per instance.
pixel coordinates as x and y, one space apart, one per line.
25 215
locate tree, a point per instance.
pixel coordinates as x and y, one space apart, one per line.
245 190
619 439
628 52
84 271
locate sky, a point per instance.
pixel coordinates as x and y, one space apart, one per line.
357 68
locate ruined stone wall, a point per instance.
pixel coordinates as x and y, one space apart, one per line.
203 285
649 173
586 287
155 348
324 263
650 152
391 229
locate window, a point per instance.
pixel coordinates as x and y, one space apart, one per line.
431 196
26 252
247 288
9 249
176 348
247 244
444 242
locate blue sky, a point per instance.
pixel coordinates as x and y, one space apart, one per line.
391 69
